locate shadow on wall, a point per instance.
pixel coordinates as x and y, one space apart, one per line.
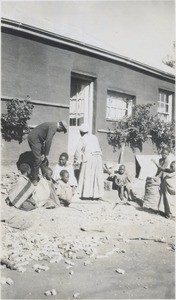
10 151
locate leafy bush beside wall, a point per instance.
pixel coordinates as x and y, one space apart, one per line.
134 131
14 123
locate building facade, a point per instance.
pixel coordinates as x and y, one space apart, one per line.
72 81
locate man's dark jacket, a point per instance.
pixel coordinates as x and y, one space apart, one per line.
43 134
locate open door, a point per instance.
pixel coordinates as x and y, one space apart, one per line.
81 109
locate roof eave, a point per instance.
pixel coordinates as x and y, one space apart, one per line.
18 26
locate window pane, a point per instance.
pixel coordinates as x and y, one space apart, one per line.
165 106
162 97
118 106
77 102
163 117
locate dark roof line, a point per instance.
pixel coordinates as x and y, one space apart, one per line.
81 45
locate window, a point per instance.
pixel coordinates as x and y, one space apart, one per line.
81 108
118 106
165 105
77 101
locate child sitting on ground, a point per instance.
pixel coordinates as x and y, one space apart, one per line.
64 190
63 164
120 180
44 193
21 192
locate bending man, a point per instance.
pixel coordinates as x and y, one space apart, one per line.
40 139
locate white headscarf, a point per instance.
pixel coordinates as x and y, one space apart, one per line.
84 128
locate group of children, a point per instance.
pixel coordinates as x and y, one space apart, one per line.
56 188
47 193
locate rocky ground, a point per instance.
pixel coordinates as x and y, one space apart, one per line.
90 250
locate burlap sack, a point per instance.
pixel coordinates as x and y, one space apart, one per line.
152 195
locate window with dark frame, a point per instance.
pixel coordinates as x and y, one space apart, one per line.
165 104
77 104
118 105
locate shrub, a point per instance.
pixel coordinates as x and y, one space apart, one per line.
140 127
163 135
132 131
14 123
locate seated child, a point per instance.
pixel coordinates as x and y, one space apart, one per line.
27 157
44 193
120 182
64 190
63 164
21 192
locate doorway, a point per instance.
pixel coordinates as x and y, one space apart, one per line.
81 108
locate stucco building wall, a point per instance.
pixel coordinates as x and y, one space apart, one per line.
42 69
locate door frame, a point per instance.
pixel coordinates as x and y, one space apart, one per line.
90 80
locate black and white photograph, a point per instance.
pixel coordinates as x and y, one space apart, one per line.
87 149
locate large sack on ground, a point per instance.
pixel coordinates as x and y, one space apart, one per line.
152 195
41 193
14 217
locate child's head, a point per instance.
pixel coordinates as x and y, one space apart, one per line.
63 158
172 166
25 169
47 173
64 176
122 169
164 153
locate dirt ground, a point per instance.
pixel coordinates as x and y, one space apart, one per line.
93 251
